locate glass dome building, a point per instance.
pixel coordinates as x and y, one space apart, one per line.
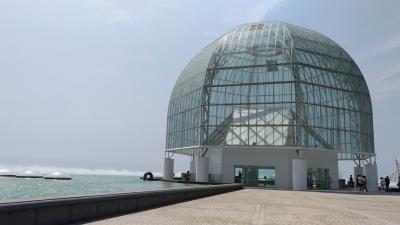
264 95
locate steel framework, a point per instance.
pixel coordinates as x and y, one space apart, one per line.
272 84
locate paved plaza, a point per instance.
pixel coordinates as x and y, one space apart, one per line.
259 206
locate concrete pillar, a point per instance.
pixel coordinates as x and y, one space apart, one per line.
192 170
202 169
192 167
299 174
358 170
371 172
168 169
334 181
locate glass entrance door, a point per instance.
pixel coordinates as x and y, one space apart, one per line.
318 178
255 176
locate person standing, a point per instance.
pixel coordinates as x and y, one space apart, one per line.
387 183
351 182
358 183
187 176
309 181
382 184
398 182
364 183
361 178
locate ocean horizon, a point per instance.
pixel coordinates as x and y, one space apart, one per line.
75 170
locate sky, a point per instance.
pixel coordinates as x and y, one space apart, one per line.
86 83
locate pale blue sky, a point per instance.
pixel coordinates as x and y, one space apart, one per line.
86 83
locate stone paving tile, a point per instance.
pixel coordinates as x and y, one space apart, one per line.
272 207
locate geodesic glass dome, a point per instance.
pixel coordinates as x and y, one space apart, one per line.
272 84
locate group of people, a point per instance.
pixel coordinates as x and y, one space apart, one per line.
360 183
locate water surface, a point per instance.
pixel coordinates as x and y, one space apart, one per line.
12 188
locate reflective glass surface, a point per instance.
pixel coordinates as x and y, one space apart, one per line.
272 84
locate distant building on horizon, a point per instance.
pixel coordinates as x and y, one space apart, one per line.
271 105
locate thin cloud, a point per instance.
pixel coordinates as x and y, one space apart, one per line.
112 12
119 15
384 83
250 11
383 78
382 91
108 11
380 47
390 74
236 12
232 13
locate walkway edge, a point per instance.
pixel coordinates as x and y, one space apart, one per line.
80 208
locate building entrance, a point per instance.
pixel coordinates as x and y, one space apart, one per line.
255 176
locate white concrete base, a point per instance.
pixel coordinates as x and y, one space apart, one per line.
299 174
168 169
224 159
202 164
371 172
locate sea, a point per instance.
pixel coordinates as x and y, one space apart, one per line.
20 189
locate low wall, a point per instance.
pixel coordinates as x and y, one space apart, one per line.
76 209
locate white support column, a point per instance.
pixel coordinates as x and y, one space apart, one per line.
299 174
192 170
202 164
168 169
371 172
192 167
